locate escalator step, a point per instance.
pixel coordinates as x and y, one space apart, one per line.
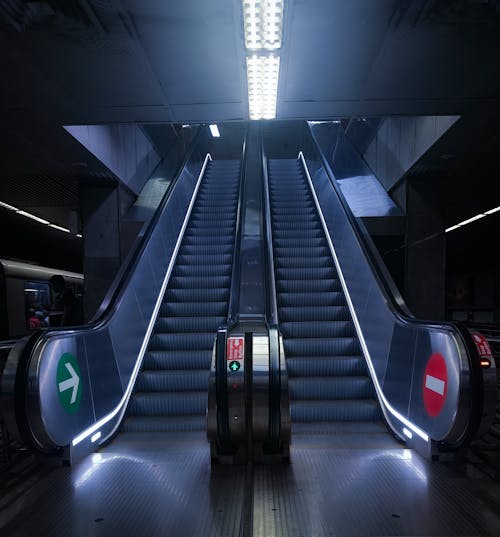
314 388
321 347
168 404
327 410
161 424
172 381
199 282
304 286
190 309
177 359
311 299
188 324
184 341
196 295
314 329
314 313
300 366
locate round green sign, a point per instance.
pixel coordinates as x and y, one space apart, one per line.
234 365
69 383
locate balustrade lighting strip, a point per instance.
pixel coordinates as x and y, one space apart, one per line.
263 28
473 219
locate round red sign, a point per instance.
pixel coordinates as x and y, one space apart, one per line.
435 384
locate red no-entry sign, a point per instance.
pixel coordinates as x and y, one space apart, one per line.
235 348
435 384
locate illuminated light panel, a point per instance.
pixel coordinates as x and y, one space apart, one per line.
491 211
65 229
262 77
95 437
7 206
33 217
263 24
36 218
215 131
473 219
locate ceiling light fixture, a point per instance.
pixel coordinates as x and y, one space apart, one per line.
215 131
36 218
263 28
473 219
33 217
263 21
262 76
7 206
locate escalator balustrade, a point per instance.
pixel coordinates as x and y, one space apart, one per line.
170 394
330 389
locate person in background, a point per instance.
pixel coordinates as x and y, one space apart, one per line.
33 321
66 301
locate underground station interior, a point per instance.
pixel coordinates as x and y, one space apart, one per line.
249 274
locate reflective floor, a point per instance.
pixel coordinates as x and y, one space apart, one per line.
165 486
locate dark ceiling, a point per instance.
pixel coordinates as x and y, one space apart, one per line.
135 61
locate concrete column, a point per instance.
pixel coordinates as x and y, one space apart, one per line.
426 249
101 209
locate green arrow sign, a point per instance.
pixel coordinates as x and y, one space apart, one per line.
234 365
69 385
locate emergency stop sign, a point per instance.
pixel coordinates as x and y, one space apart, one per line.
235 348
435 384
483 347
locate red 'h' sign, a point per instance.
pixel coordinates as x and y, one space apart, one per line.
235 348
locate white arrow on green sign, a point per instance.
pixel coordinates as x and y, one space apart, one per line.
69 385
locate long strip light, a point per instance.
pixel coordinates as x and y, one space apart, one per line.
263 29
35 218
473 219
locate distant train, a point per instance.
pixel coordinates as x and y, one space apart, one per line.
27 299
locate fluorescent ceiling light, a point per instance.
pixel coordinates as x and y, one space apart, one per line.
262 77
36 218
33 217
65 229
79 235
473 219
263 23
491 211
215 131
7 206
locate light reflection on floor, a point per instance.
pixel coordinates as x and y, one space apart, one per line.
166 486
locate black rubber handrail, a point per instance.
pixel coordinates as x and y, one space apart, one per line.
231 321
221 391
272 317
234 296
395 301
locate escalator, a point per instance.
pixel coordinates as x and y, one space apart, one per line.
330 389
170 393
